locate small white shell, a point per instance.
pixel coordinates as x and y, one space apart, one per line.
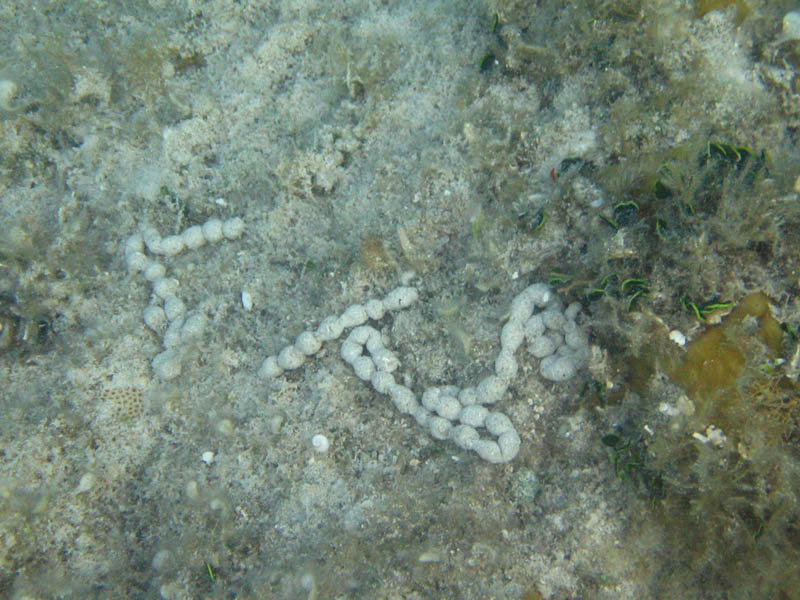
320 443
247 300
677 337
86 483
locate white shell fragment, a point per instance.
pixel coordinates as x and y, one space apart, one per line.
247 301
677 337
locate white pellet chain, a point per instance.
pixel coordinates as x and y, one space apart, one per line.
167 313
450 412
447 412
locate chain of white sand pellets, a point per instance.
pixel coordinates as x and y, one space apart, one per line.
450 412
167 314
447 412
